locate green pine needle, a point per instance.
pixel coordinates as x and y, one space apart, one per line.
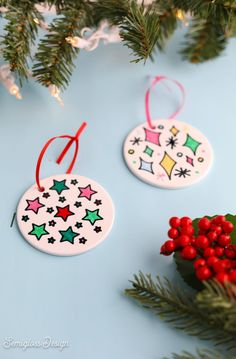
21 31
185 312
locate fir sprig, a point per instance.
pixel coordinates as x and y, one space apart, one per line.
201 354
21 31
55 56
140 31
204 41
185 311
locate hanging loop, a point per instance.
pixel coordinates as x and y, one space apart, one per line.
72 139
147 97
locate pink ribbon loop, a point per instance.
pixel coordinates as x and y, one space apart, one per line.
147 97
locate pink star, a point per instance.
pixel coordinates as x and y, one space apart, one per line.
86 192
34 205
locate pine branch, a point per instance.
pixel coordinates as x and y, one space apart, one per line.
205 41
166 12
140 31
201 354
21 31
180 309
55 56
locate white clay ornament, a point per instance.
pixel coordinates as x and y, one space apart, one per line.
65 214
166 152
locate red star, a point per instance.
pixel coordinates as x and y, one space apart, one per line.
63 212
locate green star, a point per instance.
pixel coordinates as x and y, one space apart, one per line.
92 216
38 231
68 235
59 186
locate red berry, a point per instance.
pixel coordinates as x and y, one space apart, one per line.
227 263
199 263
216 229
187 230
174 222
212 260
224 240
189 253
219 219
183 241
185 221
193 241
204 223
232 276
212 236
173 233
203 273
219 251
233 263
228 227
229 253
168 247
208 252
221 265
222 277
202 242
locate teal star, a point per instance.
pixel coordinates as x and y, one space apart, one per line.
92 216
59 186
38 231
68 235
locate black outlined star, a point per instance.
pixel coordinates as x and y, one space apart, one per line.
98 202
74 182
25 218
136 141
182 172
82 240
46 195
98 229
51 240
52 223
62 199
78 204
78 225
50 210
172 142
68 235
59 186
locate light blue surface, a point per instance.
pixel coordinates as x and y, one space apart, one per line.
80 298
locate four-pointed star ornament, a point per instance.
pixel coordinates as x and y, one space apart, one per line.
70 216
169 154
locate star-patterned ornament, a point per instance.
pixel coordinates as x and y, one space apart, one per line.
33 205
76 216
167 154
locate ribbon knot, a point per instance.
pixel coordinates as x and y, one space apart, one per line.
72 139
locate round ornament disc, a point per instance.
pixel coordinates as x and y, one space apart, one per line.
173 155
72 215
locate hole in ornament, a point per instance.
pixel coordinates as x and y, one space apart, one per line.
41 189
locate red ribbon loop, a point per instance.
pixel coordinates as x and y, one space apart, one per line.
147 95
72 139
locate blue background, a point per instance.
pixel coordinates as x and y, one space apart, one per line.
80 299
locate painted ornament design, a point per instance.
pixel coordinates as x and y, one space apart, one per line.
72 215
173 155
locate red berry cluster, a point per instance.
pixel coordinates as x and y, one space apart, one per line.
211 250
